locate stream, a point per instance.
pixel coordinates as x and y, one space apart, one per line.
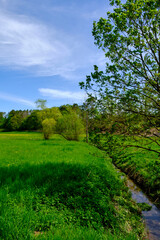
151 217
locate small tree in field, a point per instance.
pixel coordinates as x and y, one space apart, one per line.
70 126
48 126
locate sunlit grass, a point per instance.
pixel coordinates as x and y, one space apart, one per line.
140 164
58 189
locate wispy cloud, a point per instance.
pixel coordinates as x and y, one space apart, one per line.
41 49
25 43
11 98
58 94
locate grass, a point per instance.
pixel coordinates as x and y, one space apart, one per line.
60 189
144 167
141 165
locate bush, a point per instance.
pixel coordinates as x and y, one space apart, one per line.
70 126
48 126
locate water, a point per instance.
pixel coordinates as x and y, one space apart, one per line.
152 217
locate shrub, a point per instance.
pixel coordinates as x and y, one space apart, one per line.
48 126
70 126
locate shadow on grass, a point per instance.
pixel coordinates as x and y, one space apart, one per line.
52 196
86 191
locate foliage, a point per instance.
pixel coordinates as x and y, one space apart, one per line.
2 119
32 122
48 127
66 109
140 164
29 120
60 189
53 112
33 119
70 126
41 103
145 206
130 84
90 114
14 120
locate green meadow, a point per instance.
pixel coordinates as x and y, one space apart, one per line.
59 189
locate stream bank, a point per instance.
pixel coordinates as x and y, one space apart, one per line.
151 217
140 181
141 165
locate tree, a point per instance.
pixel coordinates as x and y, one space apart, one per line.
14 120
70 126
41 103
53 112
2 118
130 38
2 115
32 122
89 114
70 108
48 126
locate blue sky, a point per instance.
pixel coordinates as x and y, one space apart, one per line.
46 49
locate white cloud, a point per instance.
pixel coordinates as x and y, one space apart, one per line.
11 98
25 43
57 94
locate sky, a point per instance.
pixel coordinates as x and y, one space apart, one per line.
46 49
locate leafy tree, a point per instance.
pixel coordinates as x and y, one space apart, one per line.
2 115
32 122
2 118
14 120
53 112
70 126
70 108
65 108
29 120
130 38
48 126
41 103
89 116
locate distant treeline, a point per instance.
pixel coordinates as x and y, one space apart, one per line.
90 116
69 120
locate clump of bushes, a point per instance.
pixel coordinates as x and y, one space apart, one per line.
48 127
66 120
70 126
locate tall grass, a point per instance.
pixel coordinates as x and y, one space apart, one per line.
140 164
60 189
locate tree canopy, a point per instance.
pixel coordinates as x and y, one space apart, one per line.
130 39
41 103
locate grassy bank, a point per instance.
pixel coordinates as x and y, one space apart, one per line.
60 189
141 165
